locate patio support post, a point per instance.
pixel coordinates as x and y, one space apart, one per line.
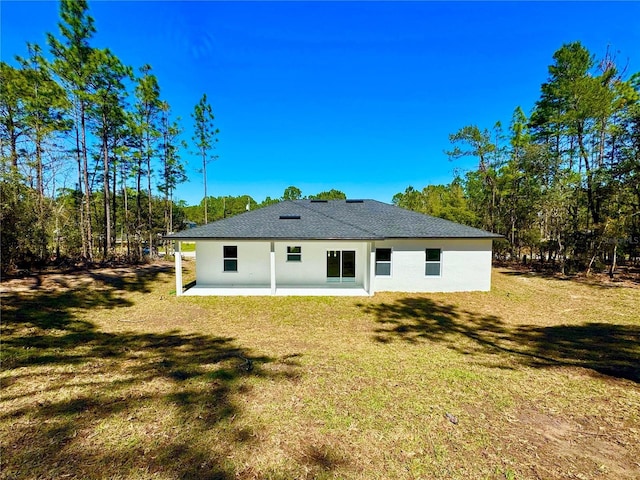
272 257
372 268
178 256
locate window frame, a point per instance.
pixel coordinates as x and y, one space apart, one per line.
383 262
293 255
228 256
428 261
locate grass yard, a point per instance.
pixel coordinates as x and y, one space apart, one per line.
106 374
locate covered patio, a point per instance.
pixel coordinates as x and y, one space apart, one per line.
277 285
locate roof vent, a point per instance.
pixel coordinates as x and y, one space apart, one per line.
289 217
319 201
355 201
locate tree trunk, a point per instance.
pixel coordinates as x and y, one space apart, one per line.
83 233
591 203
614 260
43 243
114 204
561 254
170 221
138 232
150 210
87 187
39 174
593 259
204 174
13 139
125 220
105 183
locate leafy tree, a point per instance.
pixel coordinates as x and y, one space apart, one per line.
332 194
563 184
43 104
411 199
478 143
443 201
22 233
268 201
583 106
292 193
518 187
221 207
581 100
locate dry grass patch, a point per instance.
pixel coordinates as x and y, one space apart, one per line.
106 374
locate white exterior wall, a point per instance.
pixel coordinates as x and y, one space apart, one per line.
253 264
465 266
312 270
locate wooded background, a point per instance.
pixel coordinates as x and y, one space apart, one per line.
562 184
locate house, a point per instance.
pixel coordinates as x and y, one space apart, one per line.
335 247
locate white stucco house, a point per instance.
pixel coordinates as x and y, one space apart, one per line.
335 247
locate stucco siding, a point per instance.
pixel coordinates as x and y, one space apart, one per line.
312 269
465 266
253 264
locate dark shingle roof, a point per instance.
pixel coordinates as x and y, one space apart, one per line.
331 220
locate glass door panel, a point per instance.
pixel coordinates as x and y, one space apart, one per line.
333 265
341 266
349 266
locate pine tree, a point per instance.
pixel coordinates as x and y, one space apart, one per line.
205 138
147 117
73 65
172 168
108 114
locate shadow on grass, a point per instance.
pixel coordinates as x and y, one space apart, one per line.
606 348
84 403
627 279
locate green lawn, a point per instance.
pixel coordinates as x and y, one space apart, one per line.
188 247
106 374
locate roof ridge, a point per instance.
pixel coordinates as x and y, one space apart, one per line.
373 220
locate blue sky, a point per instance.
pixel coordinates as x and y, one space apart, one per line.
358 96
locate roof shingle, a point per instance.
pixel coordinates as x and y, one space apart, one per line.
331 220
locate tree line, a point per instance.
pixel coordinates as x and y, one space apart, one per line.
563 184
227 206
90 159
90 152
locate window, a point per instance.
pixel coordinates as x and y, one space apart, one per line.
230 255
294 254
383 262
432 264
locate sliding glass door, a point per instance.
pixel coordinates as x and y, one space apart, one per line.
341 265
